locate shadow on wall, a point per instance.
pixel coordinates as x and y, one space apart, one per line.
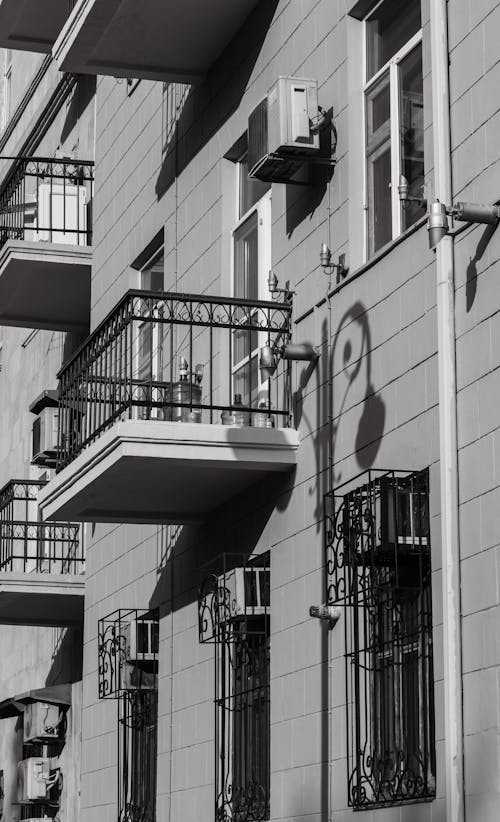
302 201
82 96
67 658
354 366
471 286
190 550
200 111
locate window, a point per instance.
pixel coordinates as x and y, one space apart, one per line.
394 122
138 732
251 265
150 359
378 559
234 614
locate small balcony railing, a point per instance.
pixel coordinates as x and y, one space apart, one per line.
30 546
48 200
179 358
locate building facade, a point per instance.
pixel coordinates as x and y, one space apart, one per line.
274 391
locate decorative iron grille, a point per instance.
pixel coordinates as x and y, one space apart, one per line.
137 746
378 557
128 652
234 614
47 200
161 356
29 545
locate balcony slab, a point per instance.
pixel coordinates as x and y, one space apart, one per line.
45 285
164 472
30 25
171 41
41 599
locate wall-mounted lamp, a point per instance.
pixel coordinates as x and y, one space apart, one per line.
325 256
407 199
270 354
326 613
437 221
272 285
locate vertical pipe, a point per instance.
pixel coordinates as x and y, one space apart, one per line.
454 767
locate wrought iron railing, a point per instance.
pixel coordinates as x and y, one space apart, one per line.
138 754
234 614
176 357
29 545
378 559
128 652
48 200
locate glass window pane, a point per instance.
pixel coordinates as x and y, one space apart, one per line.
379 205
245 382
250 190
152 275
246 259
411 93
378 113
389 27
244 342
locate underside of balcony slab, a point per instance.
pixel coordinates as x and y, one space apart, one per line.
41 599
152 471
45 285
163 40
31 25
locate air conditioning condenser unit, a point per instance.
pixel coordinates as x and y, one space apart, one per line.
33 774
41 722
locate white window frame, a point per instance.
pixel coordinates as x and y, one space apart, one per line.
7 89
157 363
264 262
392 66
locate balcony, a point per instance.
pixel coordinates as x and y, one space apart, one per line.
42 565
29 25
151 426
173 41
45 236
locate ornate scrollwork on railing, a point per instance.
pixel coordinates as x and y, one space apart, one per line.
127 652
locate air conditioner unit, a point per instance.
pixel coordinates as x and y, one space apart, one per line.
45 437
41 722
247 591
280 134
403 515
62 215
33 774
141 640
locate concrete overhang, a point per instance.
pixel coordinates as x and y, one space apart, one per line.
41 599
154 472
45 285
168 40
31 25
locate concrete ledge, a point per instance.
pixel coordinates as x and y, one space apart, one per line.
41 599
151 471
45 285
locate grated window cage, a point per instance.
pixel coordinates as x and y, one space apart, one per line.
378 559
234 615
128 641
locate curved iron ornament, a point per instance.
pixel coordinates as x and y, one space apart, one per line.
111 659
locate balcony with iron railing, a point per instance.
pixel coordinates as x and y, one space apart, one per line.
30 25
175 44
45 237
164 413
42 565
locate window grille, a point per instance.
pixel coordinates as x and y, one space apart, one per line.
378 557
137 746
234 614
128 652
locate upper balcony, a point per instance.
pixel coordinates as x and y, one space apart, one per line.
42 564
167 40
151 428
30 25
45 236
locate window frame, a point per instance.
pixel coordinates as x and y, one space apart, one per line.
262 208
392 68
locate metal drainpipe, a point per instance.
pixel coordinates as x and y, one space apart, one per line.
448 452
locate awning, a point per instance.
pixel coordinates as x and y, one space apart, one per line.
52 694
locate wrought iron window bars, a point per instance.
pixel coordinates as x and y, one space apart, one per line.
128 641
378 559
47 200
234 614
162 356
29 545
